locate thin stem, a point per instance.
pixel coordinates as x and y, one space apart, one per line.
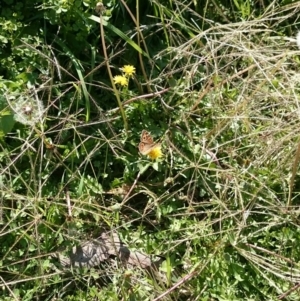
111 77
140 40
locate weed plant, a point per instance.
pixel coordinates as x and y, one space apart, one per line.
216 85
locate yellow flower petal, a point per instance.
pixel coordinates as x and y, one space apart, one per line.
155 153
128 70
121 80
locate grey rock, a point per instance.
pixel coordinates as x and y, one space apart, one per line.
108 246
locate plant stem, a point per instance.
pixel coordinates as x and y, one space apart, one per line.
111 77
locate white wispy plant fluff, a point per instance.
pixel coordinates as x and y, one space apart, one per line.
298 39
28 110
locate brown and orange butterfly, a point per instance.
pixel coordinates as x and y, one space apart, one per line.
147 145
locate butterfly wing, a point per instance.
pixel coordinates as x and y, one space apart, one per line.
145 148
147 144
146 137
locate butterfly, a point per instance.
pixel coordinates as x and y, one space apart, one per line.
147 145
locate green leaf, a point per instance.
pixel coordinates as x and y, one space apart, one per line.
7 123
120 34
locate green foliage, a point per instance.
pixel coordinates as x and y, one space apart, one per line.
218 94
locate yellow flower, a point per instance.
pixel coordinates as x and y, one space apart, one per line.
128 70
121 80
155 152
